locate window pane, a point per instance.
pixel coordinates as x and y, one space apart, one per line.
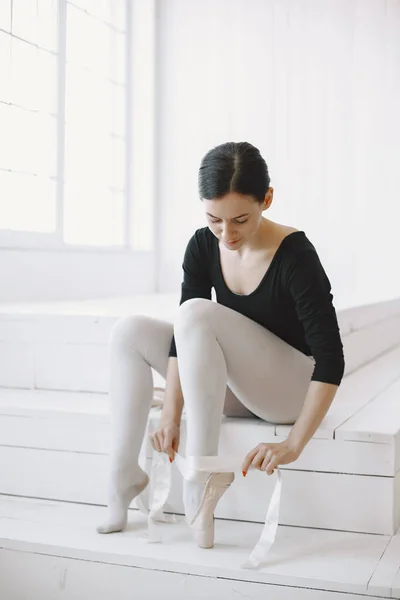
94 114
23 66
109 11
81 29
24 19
102 162
117 56
33 76
118 14
28 87
46 82
88 6
5 15
5 162
117 152
88 102
45 145
5 63
76 36
100 9
27 203
21 139
94 102
118 109
93 214
31 141
105 55
86 156
47 11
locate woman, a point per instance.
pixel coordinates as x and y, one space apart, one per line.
269 347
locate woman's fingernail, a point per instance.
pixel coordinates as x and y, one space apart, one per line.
244 473
170 459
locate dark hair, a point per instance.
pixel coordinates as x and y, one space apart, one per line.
233 167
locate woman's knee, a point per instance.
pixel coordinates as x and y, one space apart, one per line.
193 311
126 332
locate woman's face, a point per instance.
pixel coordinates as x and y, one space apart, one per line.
234 219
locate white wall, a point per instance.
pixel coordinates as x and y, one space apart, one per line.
316 87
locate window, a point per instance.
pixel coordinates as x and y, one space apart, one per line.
64 84
28 115
95 141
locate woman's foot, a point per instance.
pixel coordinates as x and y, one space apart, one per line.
120 498
204 490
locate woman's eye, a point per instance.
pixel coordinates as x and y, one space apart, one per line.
238 222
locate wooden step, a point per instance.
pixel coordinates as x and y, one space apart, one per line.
55 445
66 437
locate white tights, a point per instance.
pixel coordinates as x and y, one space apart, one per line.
228 364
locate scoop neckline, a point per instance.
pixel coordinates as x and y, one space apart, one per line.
266 272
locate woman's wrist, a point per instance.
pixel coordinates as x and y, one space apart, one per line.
172 409
171 416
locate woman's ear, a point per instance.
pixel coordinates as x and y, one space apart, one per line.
268 198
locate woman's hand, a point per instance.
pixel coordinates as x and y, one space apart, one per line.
266 457
166 438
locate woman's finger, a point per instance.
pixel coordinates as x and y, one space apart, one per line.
266 461
167 445
273 463
248 459
166 441
257 460
157 442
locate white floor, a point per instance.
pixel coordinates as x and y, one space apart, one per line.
301 558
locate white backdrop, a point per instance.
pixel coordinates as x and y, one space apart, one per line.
315 85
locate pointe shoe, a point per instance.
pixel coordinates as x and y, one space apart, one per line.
202 523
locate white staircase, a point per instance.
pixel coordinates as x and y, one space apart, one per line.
341 499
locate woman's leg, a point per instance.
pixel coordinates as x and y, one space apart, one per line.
216 347
137 344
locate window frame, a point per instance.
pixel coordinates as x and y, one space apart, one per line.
29 240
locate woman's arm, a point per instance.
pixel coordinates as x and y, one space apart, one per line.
318 399
173 400
266 456
311 292
166 438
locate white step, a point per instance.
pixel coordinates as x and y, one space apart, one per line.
64 346
50 550
54 445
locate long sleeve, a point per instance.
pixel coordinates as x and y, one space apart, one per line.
196 279
310 290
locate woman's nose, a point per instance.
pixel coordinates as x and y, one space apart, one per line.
228 234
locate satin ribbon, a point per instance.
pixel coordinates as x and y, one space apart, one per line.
161 478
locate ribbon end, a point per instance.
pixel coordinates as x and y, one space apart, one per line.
249 567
